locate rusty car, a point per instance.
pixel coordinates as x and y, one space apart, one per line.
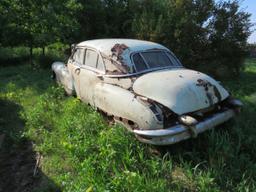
144 86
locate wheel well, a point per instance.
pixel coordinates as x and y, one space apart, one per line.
53 76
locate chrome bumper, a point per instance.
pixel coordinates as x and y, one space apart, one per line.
181 132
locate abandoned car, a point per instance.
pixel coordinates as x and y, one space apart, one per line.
144 86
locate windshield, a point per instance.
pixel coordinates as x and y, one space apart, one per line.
154 60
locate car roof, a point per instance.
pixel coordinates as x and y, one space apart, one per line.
133 45
118 52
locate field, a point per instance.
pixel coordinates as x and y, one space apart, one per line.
51 142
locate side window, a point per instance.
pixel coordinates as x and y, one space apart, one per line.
91 58
79 55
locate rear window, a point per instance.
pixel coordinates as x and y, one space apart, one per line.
140 64
154 59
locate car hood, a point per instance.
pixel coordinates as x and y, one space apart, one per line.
181 90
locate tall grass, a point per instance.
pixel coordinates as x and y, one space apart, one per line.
81 152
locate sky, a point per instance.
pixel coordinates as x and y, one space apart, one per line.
250 6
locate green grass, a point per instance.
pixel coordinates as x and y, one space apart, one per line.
81 152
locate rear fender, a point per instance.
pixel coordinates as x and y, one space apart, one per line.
123 104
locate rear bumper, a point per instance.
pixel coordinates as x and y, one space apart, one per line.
181 132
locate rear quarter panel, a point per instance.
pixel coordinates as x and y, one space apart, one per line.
122 103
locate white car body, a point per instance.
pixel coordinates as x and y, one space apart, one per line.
143 85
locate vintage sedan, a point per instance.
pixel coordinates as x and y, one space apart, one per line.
144 86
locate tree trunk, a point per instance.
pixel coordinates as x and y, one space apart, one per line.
43 48
31 55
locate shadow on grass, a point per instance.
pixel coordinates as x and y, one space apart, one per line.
24 76
17 157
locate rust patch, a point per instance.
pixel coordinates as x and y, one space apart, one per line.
126 122
204 84
209 97
117 51
210 90
217 93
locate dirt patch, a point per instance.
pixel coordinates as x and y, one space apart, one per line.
17 167
17 157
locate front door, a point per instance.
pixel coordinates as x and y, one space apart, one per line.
88 76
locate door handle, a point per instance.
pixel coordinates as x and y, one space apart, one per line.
77 71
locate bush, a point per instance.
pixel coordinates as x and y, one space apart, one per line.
13 56
204 35
13 61
45 61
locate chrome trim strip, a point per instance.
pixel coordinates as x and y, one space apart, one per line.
143 72
88 68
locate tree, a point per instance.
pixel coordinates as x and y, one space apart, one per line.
39 23
203 34
230 29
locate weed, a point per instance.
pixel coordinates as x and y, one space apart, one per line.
82 153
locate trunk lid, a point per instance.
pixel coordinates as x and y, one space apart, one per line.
181 90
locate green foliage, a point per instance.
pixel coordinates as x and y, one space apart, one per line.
230 29
20 55
205 35
252 50
13 56
45 61
82 152
38 23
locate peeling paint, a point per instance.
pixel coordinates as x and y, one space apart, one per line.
210 89
117 51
